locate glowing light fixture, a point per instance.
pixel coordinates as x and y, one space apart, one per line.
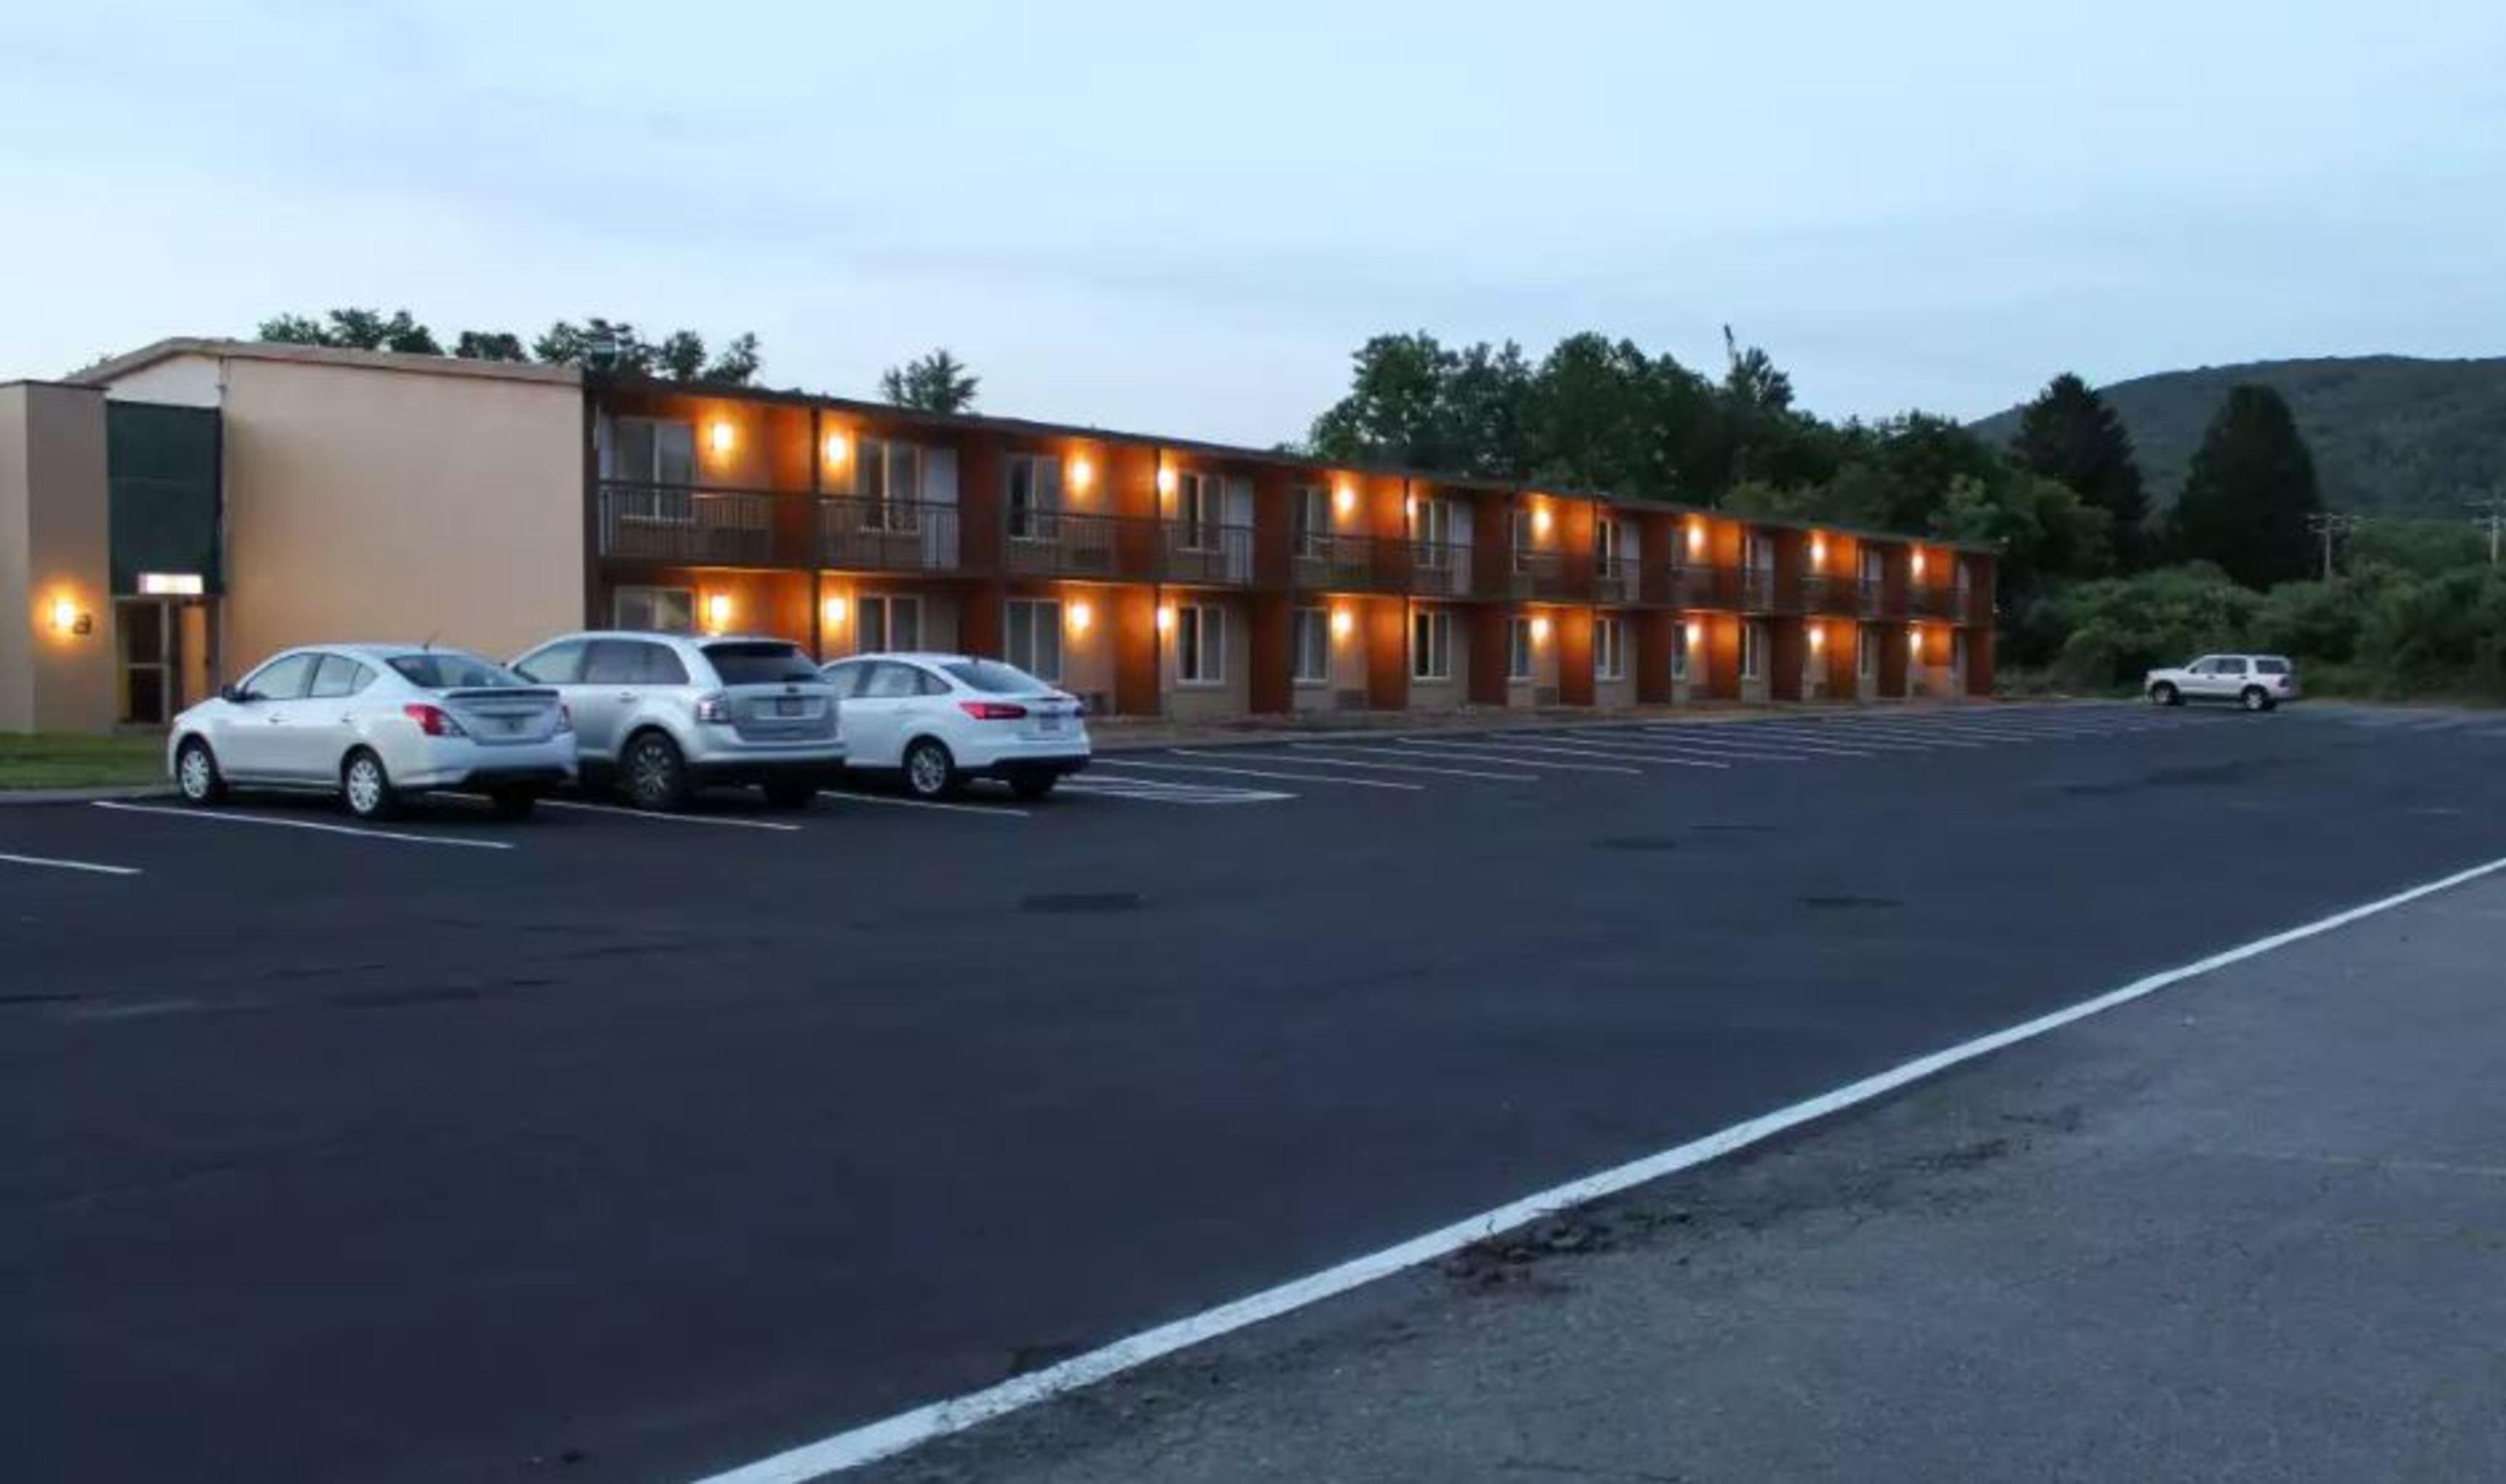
1817 552
1344 498
1342 622
718 611
722 434
66 616
1919 564
838 447
170 584
836 610
1696 633
1081 615
1540 518
1408 505
1913 641
1540 630
1166 619
1817 640
1696 537
1165 481
1082 474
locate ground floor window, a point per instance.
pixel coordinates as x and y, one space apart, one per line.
1200 644
1431 644
654 610
888 624
1753 643
1610 650
1866 652
1313 647
1031 637
1518 648
1679 652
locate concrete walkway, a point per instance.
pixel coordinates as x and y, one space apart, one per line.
2253 1227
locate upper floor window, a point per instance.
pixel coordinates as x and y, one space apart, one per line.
1431 528
1034 497
1200 501
888 478
1311 514
1607 557
652 450
1523 541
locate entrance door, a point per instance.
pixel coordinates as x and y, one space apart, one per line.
150 638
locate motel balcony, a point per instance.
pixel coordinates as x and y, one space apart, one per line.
1333 562
1685 585
689 525
1872 600
1440 569
1540 575
1061 544
1613 581
1932 601
1201 553
1824 594
860 534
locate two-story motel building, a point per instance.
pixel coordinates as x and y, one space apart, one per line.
186 509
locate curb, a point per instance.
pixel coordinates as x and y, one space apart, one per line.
27 797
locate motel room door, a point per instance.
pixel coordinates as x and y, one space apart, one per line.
167 654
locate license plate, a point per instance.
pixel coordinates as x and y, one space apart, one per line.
1047 723
789 706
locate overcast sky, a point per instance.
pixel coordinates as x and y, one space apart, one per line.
1182 217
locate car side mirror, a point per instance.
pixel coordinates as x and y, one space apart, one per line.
234 693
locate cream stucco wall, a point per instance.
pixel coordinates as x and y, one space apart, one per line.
55 548
370 502
187 380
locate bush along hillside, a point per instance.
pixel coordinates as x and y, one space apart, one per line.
2390 434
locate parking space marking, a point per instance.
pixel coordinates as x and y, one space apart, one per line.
1157 790
358 831
1246 772
95 866
1338 758
1786 736
1893 734
1004 811
1699 740
1455 750
1678 747
1612 752
663 817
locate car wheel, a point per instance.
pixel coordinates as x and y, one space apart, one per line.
930 772
514 803
196 775
366 787
654 774
2166 695
2256 698
791 793
1033 786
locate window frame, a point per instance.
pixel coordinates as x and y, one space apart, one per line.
1609 649
1678 649
884 510
888 605
645 497
1039 521
1200 505
1037 621
1607 560
1196 624
649 591
1519 528
1753 643
1431 533
1319 621
1432 662
1521 663
1308 537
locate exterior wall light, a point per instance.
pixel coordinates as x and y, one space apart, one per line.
1165 481
1919 564
1082 474
1408 505
1696 633
1817 640
1166 619
1540 519
838 447
722 434
1342 622
1081 616
717 607
1540 630
1817 552
1344 498
1914 642
836 609
68 619
1695 538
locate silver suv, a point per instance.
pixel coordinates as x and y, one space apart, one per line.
664 715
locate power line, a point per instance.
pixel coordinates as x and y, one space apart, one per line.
2328 526
2493 518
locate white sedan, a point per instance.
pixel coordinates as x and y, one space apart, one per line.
935 721
376 723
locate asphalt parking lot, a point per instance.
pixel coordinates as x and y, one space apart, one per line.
611 1147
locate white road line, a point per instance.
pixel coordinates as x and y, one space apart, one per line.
1716 751
1675 739
894 1434
1247 772
87 866
303 824
1783 736
1567 752
1338 758
1443 749
665 818
1004 810
1210 796
1664 752
1860 733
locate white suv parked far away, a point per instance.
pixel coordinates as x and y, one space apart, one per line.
2255 682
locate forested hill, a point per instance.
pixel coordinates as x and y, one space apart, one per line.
2390 434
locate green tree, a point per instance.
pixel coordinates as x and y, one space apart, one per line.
1397 409
681 355
2248 493
292 329
355 329
736 363
489 345
2070 434
938 382
2122 627
2044 530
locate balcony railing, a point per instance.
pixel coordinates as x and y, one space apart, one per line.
1440 569
1614 581
1538 574
1824 594
863 535
1758 589
1936 602
1331 562
1692 586
1061 544
1873 598
686 525
1198 552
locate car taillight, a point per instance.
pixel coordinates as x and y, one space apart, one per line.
992 711
714 708
434 721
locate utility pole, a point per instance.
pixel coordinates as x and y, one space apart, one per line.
2329 526
2491 518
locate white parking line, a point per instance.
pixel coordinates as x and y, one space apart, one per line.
1654 747
303 824
86 866
665 818
1443 749
1147 791
1564 750
1701 740
1782 736
1863 734
896 1433
1003 810
1337 758
1247 772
